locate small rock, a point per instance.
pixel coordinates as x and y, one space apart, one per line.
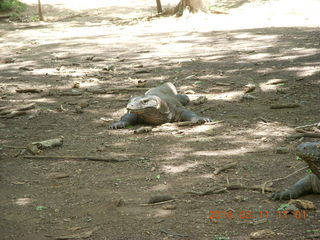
78 109
76 85
200 100
189 91
83 104
169 207
240 198
249 88
265 233
143 130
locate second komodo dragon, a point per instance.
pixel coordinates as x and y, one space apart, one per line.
159 105
310 153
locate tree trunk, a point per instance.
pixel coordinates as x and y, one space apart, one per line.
40 11
159 7
192 5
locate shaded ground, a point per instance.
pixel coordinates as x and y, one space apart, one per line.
203 56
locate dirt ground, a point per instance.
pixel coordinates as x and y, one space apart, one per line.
81 71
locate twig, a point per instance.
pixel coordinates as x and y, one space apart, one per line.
306 126
209 192
156 203
289 105
227 166
282 178
77 158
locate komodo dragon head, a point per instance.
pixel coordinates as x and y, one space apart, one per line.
310 153
150 108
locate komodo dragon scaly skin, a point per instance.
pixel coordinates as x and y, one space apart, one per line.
310 153
159 105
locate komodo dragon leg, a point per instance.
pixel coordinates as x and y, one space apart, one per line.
187 115
306 185
126 120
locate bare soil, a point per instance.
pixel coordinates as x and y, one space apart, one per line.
86 67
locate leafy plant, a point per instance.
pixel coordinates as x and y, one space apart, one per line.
12 5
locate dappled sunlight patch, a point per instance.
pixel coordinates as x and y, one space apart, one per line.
24 201
226 96
270 130
171 169
259 56
267 87
227 152
162 213
160 187
305 71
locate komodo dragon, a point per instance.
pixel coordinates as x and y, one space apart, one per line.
310 153
157 106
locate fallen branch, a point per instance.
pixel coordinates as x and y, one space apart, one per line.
14 114
309 125
306 134
209 192
227 166
111 159
115 90
192 123
232 187
280 106
280 179
8 110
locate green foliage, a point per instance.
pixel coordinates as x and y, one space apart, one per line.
12 5
283 207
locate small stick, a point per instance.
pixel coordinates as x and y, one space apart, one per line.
157 203
227 166
280 179
289 105
29 90
76 158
